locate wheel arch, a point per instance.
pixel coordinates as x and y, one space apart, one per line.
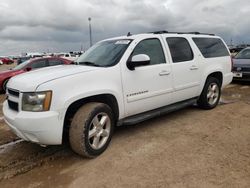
218 75
3 82
108 99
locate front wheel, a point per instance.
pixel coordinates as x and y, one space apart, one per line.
91 129
210 95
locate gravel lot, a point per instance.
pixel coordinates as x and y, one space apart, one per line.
188 148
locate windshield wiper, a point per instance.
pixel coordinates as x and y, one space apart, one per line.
89 63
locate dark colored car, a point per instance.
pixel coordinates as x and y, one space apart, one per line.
241 65
28 66
6 60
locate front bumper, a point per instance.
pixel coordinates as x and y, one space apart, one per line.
245 76
44 128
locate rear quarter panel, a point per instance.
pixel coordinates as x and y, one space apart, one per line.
217 64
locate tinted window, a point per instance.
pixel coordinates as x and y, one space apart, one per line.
180 49
53 62
211 47
152 48
38 64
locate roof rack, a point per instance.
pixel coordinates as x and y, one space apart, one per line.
159 32
193 33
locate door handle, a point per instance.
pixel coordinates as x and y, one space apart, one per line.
164 73
194 67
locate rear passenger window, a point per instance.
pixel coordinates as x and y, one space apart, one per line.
53 62
39 64
152 48
211 47
180 49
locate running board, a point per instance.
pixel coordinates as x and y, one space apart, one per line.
155 113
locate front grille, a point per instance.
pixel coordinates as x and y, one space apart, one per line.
245 69
242 69
13 98
13 105
13 92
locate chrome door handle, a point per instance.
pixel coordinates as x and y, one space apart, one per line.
164 73
194 67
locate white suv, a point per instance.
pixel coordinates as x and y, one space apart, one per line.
122 80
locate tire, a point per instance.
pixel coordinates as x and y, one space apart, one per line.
91 129
210 95
5 85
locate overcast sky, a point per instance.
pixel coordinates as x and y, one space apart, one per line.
62 25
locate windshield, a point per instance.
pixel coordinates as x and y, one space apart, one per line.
22 65
104 54
244 54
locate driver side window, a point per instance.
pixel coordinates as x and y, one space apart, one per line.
152 48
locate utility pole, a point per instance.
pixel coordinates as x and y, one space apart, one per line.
90 32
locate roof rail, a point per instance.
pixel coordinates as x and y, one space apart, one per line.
159 32
198 33
193 33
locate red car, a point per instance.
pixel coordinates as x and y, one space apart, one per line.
28 66
5 60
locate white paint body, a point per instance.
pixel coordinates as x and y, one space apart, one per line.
158 85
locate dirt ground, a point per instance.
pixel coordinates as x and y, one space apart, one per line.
188 148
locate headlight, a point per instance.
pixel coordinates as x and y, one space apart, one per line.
36 102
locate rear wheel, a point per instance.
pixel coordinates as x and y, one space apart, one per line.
210 95
91 129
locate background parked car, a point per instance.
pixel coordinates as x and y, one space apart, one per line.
28 66
5 60
235 51
69 56
241 65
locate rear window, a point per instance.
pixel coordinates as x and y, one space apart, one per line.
211 47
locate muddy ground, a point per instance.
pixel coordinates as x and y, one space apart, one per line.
188 148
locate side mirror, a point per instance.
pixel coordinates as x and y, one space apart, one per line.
28 69
138 60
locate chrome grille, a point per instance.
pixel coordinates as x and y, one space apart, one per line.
13 92
13 99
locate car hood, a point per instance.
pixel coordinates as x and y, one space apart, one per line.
241 62
29 81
